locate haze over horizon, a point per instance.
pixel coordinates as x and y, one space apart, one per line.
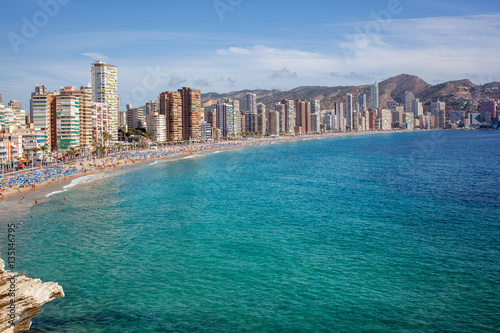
227 45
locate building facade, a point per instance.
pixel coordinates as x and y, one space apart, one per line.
104 85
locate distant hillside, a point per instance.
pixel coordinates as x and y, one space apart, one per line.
461 94
394 89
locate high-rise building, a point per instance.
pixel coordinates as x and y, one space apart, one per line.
329 120
171 108
156 126
289 116
438 110
15 104
100 121
85 96
68 121
475 119
391 105
409 97
374 96
44 117
251 103
40 89
457 116
274 123
152 106
417 108
261 119
122 120
397 117
225 119
349 112
303 115
339 114
315 117
1 98
191 113
361 99
251 122
280 108
385 119
371 120
488 107
103 80
135 117
236 122
206 130
409 120
11 116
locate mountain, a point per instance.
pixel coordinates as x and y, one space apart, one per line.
394 89
461 94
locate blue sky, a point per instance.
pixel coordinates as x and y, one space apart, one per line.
225 45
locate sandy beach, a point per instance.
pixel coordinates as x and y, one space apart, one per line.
14 187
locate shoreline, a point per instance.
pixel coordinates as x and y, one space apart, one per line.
102 165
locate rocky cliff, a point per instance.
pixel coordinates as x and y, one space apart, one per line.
21 299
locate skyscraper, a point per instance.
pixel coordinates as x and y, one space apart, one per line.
416 108
135 118
315 116
409 97
303 115
349 112
374 96
274 123
391 105
362 102
385 119
100 118
39 90
44 117
85 112
68 121
251 103
103 80
488 107
438 110
289 116
1 98
236 116
152 106
171 107
191 113
156 126
339 114
261 118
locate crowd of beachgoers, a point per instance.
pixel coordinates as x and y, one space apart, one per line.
31 178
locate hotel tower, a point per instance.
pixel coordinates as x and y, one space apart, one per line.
105 90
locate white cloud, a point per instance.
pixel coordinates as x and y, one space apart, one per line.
176 81
436 49
96 56
283 74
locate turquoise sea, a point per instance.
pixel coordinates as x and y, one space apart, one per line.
374 233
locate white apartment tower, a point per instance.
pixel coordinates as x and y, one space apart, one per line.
374 103
105 90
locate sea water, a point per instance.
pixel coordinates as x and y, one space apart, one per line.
375 233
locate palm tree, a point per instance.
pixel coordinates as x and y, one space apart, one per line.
35 151
71 152
44 149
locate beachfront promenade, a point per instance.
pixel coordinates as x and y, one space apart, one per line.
17 183
12 185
